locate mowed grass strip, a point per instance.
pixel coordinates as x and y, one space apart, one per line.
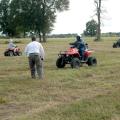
100 107
88 93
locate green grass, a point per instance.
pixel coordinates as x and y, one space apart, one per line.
88 93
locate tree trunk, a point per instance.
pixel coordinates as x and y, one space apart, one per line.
99 30
98 37
24 34
99 22
43 16
40 38
44 37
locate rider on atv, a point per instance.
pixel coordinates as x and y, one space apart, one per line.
76 55
80 45
12 46
12 49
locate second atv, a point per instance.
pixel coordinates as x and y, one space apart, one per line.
13 52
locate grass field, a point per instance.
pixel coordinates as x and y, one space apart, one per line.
88 93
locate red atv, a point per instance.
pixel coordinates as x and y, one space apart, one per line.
13 52
72 57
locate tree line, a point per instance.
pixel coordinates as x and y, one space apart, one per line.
21 16
38 16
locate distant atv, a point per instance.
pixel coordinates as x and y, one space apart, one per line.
13 52
72 57
116 44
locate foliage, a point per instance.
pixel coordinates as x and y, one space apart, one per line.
4 17
91 28
30 15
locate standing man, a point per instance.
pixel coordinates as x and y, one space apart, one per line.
35 52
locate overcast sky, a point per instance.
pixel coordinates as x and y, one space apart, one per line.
81 11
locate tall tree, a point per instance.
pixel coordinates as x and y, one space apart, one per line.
98 13
91 28
44 19
23 15
48 14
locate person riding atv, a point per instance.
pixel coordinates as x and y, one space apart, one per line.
11 45
80 45
12 50
76 56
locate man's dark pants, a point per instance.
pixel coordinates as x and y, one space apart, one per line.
35 63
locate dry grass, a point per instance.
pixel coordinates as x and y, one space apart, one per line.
88 93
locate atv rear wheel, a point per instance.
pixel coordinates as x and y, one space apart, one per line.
6 53
75 63
60 62
92 61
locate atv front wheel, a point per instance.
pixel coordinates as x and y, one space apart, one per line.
20 53
92 61
60 62
114 45
75 63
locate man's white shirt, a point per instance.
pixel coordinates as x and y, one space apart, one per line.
35 47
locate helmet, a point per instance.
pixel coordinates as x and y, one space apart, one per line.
78 38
